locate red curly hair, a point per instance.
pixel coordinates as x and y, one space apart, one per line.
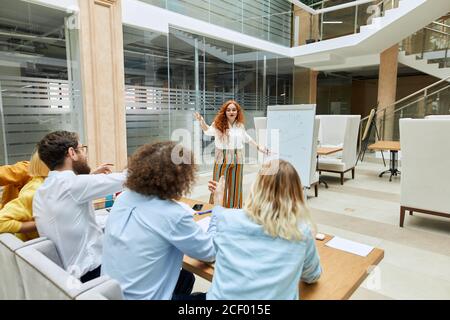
221 121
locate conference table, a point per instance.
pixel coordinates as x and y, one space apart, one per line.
342 272
394 148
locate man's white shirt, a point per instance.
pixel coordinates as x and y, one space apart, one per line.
64 213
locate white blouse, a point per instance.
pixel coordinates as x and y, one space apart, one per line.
234 140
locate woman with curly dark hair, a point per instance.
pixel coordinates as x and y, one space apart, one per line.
148 232
229 132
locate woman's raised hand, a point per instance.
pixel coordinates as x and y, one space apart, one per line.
198 116
218 189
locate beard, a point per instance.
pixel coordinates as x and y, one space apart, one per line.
81 167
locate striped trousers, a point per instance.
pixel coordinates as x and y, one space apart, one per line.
230 164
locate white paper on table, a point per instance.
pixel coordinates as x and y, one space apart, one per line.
204 223
349 246
185 206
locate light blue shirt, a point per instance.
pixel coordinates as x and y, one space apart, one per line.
145 239
253 265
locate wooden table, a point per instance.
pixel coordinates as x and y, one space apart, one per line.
393 147
342 274
325 151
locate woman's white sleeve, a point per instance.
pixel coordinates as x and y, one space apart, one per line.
211 130
247 137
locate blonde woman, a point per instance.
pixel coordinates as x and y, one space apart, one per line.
17 215
266 248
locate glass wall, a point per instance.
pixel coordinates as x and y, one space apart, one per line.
268 20
334 94
339 22
168 78
39 78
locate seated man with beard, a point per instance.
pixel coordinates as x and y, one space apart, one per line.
62 206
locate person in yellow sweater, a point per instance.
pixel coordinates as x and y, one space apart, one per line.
12 179
17 215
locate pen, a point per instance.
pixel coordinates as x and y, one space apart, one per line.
203 212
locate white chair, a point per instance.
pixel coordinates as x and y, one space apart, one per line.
11 286
425 179
109 290
435 116
339 131
44 278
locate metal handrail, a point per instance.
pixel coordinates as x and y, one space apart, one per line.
411 95
441 33
384 119
423 97
441 24
337 7
437 31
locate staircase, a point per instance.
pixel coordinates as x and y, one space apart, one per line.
394 23
210 49
424 65
427 50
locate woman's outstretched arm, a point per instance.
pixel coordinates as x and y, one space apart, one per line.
258 147
200 119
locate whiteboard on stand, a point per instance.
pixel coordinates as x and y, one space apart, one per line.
295 125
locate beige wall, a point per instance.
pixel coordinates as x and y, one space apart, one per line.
364 92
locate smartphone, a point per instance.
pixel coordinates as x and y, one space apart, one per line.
197 207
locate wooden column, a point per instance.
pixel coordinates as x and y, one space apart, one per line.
313 86
387 89
102 78
308 26
305 85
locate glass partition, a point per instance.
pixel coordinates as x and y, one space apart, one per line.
331 23
338 23
169 77
40 87
431 43
268 20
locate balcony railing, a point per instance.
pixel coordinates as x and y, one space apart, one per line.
326 20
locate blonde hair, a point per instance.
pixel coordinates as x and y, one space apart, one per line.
277 203
37 167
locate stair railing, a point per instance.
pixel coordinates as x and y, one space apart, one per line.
390 110
435 37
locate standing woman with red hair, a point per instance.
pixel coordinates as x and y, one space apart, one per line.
229 132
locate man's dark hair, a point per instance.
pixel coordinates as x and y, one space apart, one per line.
152 172
53 147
